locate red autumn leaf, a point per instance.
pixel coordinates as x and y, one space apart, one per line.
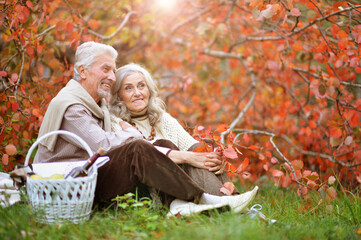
342 43
3 74
312 184
261 157
242 167
14 106
297 46
227 188
229 152
10 149
304 191
268 153
286 181
246 137
29 4
297 164
274 160
253 147
5 159
93 23
331 192
295 12
217 138
277 173
312 124
335 132
222 128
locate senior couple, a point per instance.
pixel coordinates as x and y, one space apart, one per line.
146 146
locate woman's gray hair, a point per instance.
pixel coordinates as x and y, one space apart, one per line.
156 106
87 53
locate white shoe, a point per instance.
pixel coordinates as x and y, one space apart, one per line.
238 203
244 200
185 208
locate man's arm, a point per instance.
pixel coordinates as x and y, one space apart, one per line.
79 120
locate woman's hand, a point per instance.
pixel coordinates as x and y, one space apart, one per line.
211 161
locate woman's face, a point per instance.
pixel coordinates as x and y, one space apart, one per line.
134 92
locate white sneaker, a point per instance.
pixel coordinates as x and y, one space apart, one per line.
238 203
244 200
185 208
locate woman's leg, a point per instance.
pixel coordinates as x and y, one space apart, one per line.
207 180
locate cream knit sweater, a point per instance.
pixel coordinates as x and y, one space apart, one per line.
169 128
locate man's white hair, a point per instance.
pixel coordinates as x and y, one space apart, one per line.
87 53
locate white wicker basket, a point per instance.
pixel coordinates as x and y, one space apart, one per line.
62 200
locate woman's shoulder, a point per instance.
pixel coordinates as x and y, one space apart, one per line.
167 118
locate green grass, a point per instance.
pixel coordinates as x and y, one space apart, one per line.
296 219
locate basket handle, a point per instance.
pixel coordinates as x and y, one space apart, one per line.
81 141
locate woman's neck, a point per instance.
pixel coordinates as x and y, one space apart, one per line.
139 115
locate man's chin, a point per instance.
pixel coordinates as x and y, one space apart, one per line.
103 94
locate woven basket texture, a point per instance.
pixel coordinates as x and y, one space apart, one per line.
62 200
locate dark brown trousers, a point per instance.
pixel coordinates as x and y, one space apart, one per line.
140 162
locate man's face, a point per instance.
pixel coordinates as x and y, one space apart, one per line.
99 78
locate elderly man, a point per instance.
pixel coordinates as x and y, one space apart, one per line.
80 107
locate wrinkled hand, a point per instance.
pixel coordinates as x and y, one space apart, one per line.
212 161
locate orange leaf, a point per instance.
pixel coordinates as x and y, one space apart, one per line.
229 152
14 106
297 164
253 147
5 159
335 132
268 154
227 188
93 23
246 137
222 128
274 160
297 46
295 12
242 167
10 149
331 192
312 124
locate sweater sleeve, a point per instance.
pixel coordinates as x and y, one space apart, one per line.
176 133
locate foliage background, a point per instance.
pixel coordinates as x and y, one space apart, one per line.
283 75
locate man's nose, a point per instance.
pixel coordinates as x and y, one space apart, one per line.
112 76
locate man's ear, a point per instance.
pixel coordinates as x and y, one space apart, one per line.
82 72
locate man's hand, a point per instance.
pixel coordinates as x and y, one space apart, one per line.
124 125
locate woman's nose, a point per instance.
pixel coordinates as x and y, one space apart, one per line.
136 92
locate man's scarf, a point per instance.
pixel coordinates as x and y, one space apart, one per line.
72 93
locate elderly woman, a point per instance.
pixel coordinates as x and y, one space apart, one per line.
134 100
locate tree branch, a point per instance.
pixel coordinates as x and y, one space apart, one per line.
244 110
102 37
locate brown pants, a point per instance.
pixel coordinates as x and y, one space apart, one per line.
140 162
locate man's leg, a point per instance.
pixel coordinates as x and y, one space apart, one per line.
139 162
